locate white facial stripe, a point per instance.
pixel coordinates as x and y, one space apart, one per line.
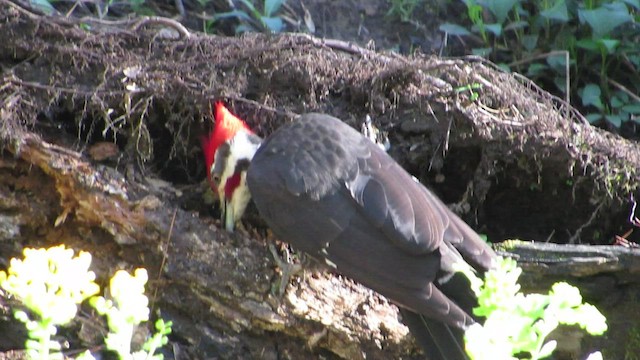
240 148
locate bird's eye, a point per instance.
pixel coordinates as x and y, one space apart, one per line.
216 178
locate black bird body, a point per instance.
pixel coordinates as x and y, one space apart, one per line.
331 192
327 190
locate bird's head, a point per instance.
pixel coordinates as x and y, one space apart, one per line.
228 152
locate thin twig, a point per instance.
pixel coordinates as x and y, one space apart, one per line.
164 248
153 20
576 235
624 89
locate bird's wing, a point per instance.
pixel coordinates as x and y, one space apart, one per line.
439 341
322 154
327 190
393 201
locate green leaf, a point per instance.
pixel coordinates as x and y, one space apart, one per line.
634 59
632 108
243 28
504 67
250 6
616 102
605 18
634 3
454 29
496 29
557 12
516 25
271 7
590 95
474 12
43 5
274 24
609 45
499 8
530 41
625 116
536 69
238 14
517 324
481 51
255 13
588 44
614 120
561 83
558 63
593 117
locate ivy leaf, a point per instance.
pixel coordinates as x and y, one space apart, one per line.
481 51
556 12
499 8
274 24
593 117
608 45
271 7
44 6
454 29
632 108
614 120
496 29
605 18
590 95
634 3
530 41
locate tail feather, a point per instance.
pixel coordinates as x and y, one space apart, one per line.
439 341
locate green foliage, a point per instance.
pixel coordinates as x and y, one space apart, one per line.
403 9
471 88
52 282
518 324
632 346
599 36
126 309
43 5
101 6
252 18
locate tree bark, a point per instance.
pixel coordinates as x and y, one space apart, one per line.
100 129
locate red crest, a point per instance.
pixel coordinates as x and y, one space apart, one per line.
226 126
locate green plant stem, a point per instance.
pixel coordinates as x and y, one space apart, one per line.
44 340
44 346
124 338
150 352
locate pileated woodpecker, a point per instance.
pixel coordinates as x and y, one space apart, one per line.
329 191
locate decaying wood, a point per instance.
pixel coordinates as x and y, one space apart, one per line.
514 163
217 287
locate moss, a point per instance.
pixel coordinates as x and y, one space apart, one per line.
632 348
507 245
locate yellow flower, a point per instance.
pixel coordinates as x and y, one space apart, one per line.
51 282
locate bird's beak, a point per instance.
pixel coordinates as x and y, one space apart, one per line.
227 215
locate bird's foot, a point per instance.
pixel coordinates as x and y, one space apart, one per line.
287 268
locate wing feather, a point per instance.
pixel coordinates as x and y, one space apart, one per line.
332 193
396 203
